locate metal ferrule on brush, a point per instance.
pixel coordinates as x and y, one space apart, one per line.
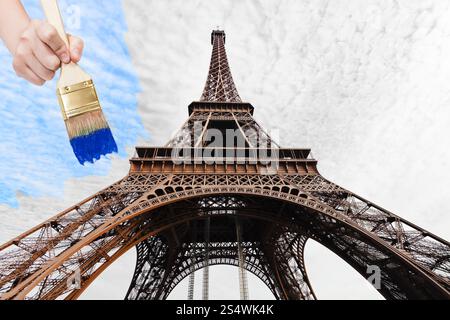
78 99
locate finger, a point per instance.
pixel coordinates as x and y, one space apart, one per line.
30 76
48 34
76 48
21 68
46 56
41 71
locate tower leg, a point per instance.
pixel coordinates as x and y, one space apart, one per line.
191 286
150 269
243 284
206 268
285 257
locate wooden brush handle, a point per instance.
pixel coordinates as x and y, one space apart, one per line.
70 73
53 15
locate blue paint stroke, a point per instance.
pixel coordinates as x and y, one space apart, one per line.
36 157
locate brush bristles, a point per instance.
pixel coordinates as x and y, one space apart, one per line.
90 136
86 124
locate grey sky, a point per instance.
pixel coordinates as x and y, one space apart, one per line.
363 83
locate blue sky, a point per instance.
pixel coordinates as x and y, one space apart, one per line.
35 155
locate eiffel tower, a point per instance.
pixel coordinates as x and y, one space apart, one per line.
245 202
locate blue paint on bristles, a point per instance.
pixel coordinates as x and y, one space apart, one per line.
90 137
91 147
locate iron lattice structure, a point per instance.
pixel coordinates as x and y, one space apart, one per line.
219 86
162 207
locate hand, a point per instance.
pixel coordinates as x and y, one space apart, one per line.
41 51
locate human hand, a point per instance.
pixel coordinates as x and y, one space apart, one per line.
40 52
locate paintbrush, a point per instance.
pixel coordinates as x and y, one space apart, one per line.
89 132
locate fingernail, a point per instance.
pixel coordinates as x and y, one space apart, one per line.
65 58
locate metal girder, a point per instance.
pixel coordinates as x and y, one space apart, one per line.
219 86
427 255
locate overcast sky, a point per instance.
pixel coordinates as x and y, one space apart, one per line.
365 84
